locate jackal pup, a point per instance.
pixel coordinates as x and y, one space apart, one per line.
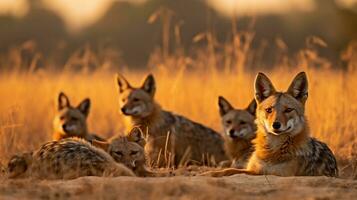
239 131
283 145
72 121
127 149
66 159
171 139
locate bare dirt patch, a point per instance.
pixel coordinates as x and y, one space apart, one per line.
237 187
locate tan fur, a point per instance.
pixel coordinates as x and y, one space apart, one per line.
171 139
66 159
67 115
238 131
283 145
129 150
71 121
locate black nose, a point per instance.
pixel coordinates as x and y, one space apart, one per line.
276 125
231 132
64 127
123 110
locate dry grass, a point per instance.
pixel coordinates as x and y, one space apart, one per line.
27 103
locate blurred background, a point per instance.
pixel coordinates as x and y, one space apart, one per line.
215 47
89 34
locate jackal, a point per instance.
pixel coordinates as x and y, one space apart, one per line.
239 131
129 150
68 122
171 139
72 121
283 145
66 159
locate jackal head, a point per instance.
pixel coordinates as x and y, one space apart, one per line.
136 102
71 121
128 149
18 164
281 112
237 123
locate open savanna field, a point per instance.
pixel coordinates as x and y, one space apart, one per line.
28 105
53 52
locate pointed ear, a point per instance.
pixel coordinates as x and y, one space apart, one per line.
224 106
263 87
149 85
123 84
299 87
84 106
100 144
252 107
137 135
63 101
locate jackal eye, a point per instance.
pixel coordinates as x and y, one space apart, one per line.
288 110
74 119
118 153
242 122
135 99
62 118
228 122
269 110
132 153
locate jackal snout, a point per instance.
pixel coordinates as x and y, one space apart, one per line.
281 119
238 131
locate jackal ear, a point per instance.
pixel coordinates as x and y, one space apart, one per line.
63 101
84 106
299 87
123 84
252 107
224 106
100 144
137 135
149 85
263 87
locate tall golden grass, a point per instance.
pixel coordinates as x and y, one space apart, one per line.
187 83
27 104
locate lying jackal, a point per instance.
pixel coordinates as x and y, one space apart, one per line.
239 131
125 149
283 145
171 139
66 159
129 150
72 121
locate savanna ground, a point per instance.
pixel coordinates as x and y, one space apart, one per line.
27 107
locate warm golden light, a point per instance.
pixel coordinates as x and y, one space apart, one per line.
80 13
16 8
256 7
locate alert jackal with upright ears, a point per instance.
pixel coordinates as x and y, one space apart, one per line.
68 122
283 145
66 159
72 121
239 131
171 139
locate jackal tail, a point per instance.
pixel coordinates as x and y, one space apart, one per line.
228 172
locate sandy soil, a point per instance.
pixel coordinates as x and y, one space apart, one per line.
234 187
